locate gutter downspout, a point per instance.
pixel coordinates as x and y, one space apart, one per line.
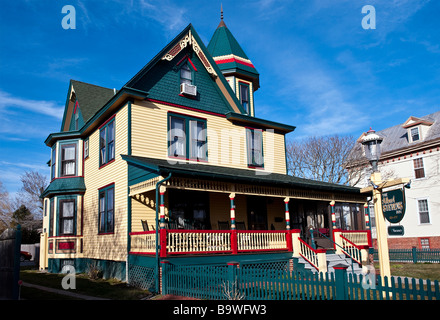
157 229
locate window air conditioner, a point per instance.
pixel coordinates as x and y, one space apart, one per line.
188 89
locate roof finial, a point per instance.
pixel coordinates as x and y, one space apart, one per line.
221 11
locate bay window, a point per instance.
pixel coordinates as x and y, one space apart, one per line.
66 216
68 160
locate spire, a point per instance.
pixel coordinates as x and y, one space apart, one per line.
222 23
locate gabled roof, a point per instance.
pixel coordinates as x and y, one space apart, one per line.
157 77
414 121
91 98
396 138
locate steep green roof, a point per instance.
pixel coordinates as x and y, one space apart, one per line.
91 98
222 44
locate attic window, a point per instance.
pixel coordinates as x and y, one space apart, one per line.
186 74
415 136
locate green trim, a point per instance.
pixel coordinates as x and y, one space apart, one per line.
58 217
107 153
105 191
252 162
60 148
188 139
266 124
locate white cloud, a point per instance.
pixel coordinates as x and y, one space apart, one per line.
48 108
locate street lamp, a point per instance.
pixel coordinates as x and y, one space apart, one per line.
371 142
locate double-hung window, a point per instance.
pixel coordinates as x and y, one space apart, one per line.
197 139
254 138
53 162
419 170
106 209
244 96
187 137
66 216
415 136
107 143
51 214
423 211
68 160
186 74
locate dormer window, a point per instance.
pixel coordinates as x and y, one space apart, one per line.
186 74
415 136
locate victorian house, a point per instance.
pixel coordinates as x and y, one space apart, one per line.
175 165
411 150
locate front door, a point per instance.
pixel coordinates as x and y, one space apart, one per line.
257 213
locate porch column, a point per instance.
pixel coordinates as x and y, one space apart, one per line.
234 239
332 208
163 231
289 233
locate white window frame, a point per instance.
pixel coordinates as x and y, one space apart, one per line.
418 211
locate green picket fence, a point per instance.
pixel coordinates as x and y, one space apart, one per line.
256 283
413 255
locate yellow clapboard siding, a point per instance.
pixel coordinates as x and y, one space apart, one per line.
109 246
226 141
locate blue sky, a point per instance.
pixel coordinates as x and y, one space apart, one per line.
319 69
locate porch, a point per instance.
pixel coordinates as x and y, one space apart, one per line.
200 209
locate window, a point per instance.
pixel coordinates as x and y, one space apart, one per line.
67 214
198 139
53 162
423 211
106 209
107 143
177 137
254 138
415 134
186 74
68 160
51 213
244 96
86 148
187 138
424 243
419 170
76 120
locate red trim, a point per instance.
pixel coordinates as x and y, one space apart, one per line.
66 245
229 60
141 232
107 185
76 105
107 163
187 108
107 121
192 64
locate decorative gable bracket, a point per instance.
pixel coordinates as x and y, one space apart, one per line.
189 39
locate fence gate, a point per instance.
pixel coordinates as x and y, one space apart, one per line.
10 242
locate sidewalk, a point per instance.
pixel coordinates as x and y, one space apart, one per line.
62 292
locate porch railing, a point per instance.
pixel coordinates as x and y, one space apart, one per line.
261 240
177 242
316 257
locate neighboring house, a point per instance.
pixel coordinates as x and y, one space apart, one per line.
412 150
179 141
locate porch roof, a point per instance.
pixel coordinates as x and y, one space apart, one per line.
184 168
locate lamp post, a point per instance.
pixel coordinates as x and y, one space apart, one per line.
371 142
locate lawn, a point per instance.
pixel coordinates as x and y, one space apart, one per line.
429 271
108 289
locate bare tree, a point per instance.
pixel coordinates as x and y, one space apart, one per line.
33 185
324 159
5 208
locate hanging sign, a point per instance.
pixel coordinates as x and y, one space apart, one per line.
393 205
396 231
